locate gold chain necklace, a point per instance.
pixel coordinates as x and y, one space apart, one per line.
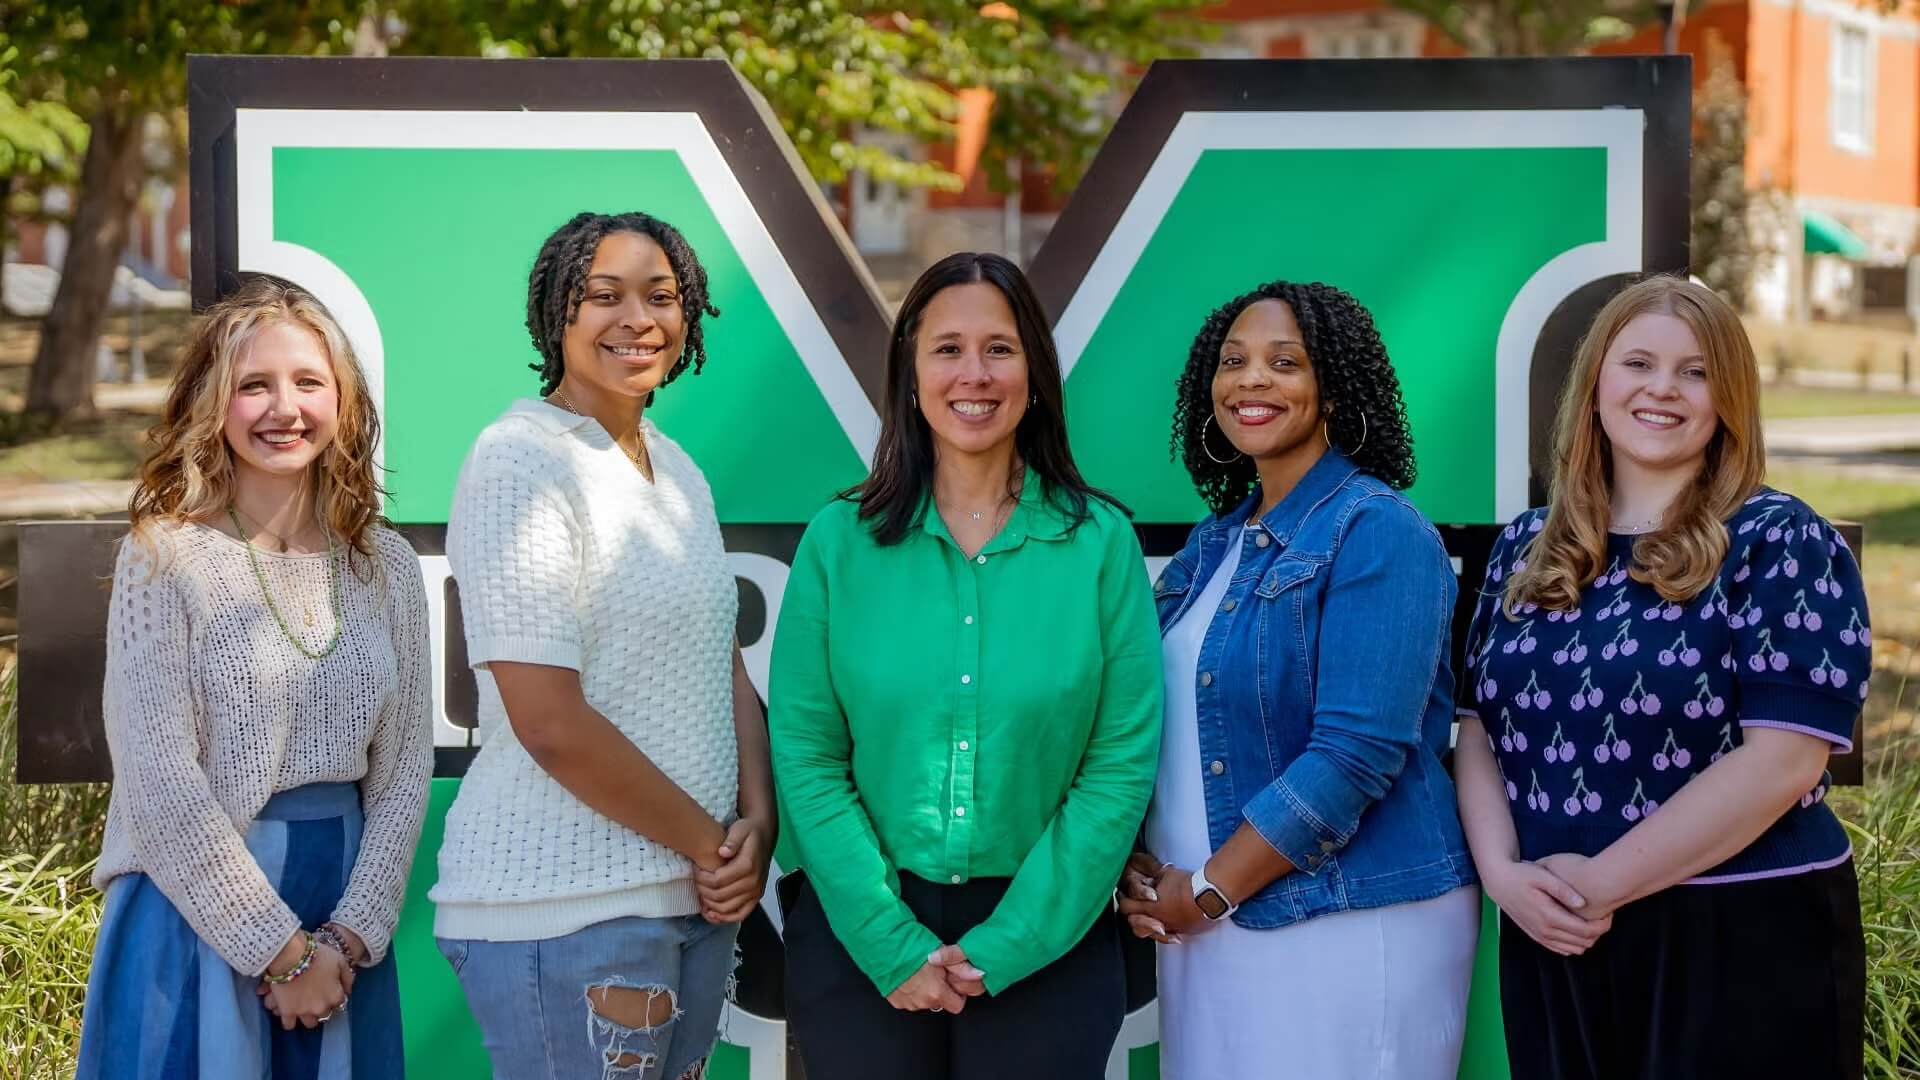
645 470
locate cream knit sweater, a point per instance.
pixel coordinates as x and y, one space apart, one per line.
565 555
210 711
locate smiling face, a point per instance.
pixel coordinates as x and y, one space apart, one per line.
1652 396
1266 397
629 328
970 369
285 407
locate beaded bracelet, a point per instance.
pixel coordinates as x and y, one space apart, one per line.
330 936
299 969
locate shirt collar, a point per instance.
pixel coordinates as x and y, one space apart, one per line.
1034 517
1332 470
549 417
555 420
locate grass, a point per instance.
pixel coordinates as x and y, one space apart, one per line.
1780 402
1889 512
105 448
1883 819
49 913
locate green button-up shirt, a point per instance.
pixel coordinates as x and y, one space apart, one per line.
959 717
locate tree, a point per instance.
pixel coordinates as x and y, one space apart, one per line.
1723 250
120 64
831 67
40 144
1535 27
827 67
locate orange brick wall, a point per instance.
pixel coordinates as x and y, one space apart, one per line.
1886 175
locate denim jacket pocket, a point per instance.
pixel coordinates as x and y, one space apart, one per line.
1287 572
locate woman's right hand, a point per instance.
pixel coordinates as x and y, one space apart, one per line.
927 989
315 993
1544 906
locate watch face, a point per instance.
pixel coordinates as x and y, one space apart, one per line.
1211 903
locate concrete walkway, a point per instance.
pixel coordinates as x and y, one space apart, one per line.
1844 434
74 498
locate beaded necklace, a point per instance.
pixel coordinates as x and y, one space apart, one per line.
333 590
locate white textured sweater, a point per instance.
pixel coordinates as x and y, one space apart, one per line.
565 555
210 711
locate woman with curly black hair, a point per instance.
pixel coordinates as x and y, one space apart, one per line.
1302 827
618 821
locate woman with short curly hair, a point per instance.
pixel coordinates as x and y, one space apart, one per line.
617 824
1302 827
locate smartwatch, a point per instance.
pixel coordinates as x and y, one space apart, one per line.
1207 896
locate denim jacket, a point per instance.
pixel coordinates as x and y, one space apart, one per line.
1324 694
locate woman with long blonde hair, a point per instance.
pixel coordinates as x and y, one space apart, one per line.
266 704
1661 661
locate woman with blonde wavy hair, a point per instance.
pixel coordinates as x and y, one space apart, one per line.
1661 661
266 704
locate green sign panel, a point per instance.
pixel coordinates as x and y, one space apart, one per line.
1473 216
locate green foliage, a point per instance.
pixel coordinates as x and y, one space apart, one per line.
49 914
1723 254
1884 820
42 140
830 68
1532 27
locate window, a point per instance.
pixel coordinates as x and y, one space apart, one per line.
1851 88
1364 42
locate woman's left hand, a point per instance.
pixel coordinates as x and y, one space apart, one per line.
1578 871
729 894
1171 914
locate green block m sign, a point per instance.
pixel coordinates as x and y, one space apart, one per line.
1482 210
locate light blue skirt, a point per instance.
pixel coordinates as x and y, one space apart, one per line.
162 1004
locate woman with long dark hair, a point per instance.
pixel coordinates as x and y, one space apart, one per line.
965 710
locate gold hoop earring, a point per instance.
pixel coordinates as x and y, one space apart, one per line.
1328 439
1207 450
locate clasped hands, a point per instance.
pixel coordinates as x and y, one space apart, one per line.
943 983
1558 901
731 884
1157 899
317 994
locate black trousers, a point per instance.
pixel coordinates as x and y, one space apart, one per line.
1754 979
1059 1023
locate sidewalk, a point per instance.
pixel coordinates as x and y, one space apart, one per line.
1844 434
73 498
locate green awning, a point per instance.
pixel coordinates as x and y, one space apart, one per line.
1825 236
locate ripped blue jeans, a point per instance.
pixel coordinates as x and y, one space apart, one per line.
626 999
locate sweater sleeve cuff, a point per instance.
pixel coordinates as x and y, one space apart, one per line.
262 950
368 929
1791 708
523 650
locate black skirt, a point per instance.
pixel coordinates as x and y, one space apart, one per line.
1753 979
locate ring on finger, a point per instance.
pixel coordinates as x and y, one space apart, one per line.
337 1010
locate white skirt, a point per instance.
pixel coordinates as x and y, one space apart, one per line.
1377 994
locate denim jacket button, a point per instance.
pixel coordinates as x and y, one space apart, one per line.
1261 540
1217 768
1229 605
1313 861
1326 845
1206 678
